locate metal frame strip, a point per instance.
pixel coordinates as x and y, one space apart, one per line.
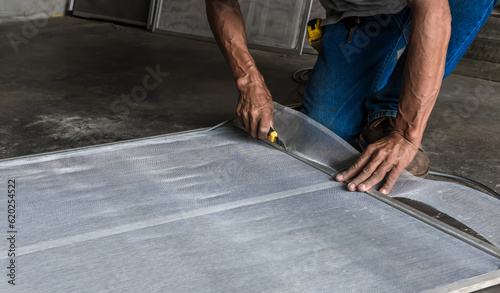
443 227
71 5
156 17
198 130
152 14
470 285
303 33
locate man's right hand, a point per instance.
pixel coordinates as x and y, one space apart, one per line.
255 108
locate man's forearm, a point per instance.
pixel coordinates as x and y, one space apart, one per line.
425 64
255 107
228 27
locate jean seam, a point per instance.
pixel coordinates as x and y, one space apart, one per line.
405 32
402 27
382 70
396 20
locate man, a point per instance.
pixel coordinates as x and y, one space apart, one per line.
384 80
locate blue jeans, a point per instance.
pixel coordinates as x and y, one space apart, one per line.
355 83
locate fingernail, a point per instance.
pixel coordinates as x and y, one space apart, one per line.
362 187
384 191
339 177
351 186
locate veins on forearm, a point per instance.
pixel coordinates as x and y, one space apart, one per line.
226 21
424 68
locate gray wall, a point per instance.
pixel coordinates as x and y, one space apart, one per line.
16 10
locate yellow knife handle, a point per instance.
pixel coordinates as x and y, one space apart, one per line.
272 135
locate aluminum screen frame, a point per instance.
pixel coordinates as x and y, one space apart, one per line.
193 23
218 211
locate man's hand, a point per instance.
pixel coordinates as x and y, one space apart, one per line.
390 155
255 108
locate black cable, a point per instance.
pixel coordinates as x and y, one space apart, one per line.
299 77
303 74
464 179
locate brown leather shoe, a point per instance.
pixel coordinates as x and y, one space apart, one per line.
420 166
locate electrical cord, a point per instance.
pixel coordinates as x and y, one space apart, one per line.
468 180
299 76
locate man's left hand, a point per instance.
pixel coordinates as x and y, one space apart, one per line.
388 156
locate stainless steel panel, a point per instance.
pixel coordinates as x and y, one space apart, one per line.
278 24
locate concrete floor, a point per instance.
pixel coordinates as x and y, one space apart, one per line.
65 88
69 86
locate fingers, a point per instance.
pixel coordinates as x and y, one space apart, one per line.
376 177
255 108
367 172
372 173
242 115
254 124
259 124
356 168
256 120
390 180
265 123
389 157
263 128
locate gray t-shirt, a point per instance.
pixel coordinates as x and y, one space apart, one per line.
339 9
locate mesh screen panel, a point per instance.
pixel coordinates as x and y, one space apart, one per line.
308 139
218 211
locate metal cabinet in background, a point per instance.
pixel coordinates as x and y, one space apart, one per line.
136 12
271 25
278 25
